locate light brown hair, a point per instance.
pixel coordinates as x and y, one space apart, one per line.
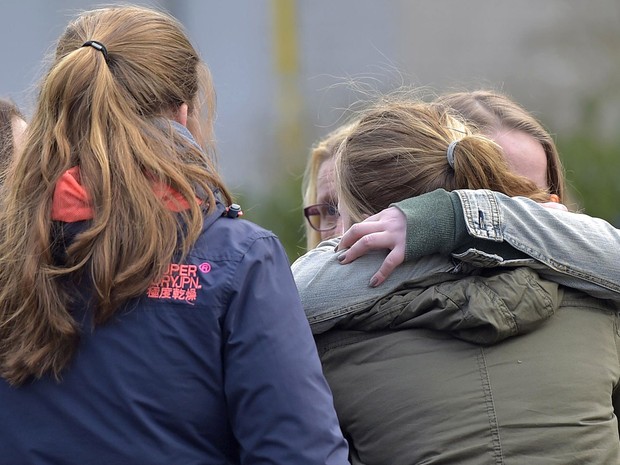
107 117
398 150
491 112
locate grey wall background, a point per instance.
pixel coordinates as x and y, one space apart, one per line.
559 58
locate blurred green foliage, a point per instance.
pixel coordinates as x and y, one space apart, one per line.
592 168
592 160
280 211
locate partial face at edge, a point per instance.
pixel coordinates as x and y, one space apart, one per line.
18 126
326 192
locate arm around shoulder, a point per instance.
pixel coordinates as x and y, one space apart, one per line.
435 224
577 250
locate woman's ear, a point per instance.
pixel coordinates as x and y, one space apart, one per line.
181 114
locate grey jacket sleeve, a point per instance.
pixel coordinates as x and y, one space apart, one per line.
330 291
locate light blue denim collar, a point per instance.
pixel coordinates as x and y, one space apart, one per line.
183 131
187 135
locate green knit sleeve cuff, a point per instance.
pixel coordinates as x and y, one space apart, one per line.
435 224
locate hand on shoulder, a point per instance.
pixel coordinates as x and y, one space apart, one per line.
385 230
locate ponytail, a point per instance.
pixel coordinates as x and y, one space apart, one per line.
404 148
479 164
104 114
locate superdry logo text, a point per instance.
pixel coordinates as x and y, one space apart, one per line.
180 282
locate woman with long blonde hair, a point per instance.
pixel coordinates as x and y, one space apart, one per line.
139 321
319 188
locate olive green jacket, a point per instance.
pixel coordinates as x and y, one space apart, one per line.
409 396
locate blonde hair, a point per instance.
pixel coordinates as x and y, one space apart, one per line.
491 112
398 150
107 116
323 150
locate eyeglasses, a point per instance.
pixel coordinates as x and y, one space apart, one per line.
322 216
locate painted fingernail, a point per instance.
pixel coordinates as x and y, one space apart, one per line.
374 281
342 257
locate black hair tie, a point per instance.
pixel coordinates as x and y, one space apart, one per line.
97 46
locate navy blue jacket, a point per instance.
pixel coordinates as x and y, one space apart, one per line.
215 364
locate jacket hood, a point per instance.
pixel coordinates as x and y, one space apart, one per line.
72 209
71 202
